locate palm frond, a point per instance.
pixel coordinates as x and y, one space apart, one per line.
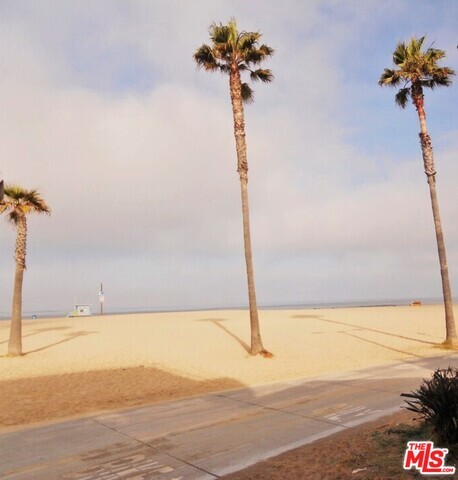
414 47
266 50
434 54
446 71
442 76
402 97
233 32
34 201
19 201
14 192
389 78
419 42
264 75
437 81
400 54
248 40
247 93
254 56
224 68
13 217
219 33
205 58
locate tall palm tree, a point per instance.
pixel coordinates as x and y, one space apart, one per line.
232 52
18 203
415 70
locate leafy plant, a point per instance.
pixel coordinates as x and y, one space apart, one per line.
436 402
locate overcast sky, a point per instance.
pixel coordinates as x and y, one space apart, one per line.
103 110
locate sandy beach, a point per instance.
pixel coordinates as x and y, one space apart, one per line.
75 366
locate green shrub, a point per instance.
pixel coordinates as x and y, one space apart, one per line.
436 402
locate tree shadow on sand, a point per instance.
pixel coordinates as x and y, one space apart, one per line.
361 327
378 344
39 330
69 337
218 323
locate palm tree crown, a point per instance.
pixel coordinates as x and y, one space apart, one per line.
233 50
416 69
19 202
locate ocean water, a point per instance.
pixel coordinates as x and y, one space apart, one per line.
276 306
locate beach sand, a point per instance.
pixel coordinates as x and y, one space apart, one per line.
75 366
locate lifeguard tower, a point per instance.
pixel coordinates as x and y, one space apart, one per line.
81 311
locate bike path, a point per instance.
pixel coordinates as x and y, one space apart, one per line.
206 437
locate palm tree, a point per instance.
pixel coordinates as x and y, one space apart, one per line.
232 52
19 202
416 70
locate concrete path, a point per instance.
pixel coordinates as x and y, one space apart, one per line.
206 437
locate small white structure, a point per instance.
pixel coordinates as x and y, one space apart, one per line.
81 311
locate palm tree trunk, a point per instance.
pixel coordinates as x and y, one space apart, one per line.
256 342
15 341
428 160
451 337
242 169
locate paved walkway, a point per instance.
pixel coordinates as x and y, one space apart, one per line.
209 436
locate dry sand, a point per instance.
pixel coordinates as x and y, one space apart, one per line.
82 365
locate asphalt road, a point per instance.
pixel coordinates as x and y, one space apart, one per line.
212 435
